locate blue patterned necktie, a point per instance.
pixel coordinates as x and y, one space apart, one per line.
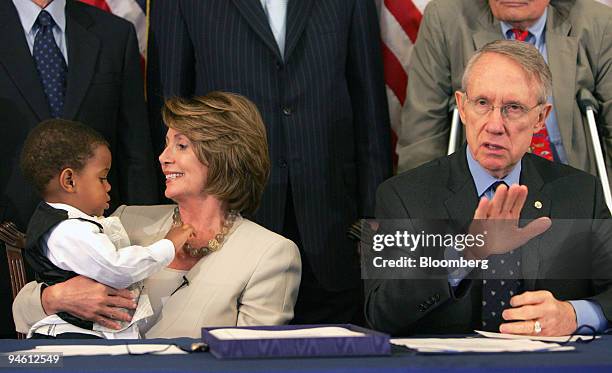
50 64
505 270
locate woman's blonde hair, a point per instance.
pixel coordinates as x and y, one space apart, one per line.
229 137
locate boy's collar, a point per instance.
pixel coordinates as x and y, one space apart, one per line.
73 212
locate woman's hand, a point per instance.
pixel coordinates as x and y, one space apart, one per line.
88 300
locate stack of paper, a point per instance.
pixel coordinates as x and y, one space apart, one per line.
562 339
91 350
320 332
456 345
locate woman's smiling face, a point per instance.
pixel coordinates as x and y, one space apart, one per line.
185 175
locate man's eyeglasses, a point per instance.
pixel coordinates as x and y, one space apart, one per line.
511 112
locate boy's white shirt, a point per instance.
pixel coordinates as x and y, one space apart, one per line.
79 246
108 258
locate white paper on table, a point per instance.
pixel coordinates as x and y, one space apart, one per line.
561 339
92 350
456 345
322 332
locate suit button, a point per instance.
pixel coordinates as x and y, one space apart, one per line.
279 66
282 163
287 111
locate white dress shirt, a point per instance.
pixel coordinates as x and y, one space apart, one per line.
276 11
28 13
79 246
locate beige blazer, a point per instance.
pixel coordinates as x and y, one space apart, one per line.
579 46
252 280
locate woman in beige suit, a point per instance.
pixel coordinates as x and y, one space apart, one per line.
233 271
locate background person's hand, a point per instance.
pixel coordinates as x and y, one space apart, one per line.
89 300
557 318
499 217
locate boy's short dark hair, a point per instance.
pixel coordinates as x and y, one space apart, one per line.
54 145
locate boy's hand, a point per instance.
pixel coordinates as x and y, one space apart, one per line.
180 235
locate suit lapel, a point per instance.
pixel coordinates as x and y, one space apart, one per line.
483 37
253 13
83 49
462 200
18 61
489 30
298 12
538 204
564 51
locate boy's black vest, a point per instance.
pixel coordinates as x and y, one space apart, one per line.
44 218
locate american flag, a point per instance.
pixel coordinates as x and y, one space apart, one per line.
134 11
399 25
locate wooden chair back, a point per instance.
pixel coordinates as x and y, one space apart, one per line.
14 240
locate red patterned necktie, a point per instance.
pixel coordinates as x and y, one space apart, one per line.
520 35
540 142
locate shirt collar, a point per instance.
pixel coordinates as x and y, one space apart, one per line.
72 211
482 178
28 12
537 29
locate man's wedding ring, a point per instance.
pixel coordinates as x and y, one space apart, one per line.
537 327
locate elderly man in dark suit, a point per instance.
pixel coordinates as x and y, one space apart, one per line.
62 58
314 70
502 103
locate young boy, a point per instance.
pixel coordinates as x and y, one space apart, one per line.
68 164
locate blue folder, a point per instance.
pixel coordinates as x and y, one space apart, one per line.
371 344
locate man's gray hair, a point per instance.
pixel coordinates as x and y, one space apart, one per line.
525 54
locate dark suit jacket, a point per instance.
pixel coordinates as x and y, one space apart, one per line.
444 189
324 106
104 91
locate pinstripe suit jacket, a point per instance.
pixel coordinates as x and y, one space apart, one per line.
323 104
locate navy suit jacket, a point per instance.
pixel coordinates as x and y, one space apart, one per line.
444 189
104 91
323 104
